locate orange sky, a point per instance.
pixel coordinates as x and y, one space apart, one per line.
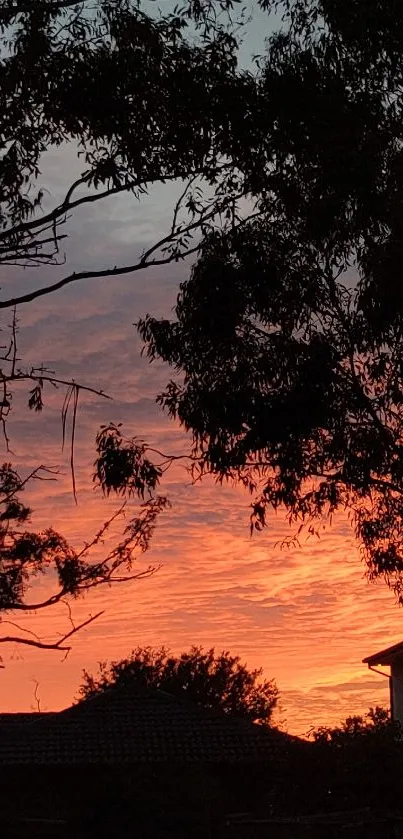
306 616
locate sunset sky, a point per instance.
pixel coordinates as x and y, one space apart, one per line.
306 615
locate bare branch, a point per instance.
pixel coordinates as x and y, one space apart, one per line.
107 579
86 275
79 626
58 212
35 375
55 645
144 262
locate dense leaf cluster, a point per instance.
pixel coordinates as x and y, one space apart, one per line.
287 336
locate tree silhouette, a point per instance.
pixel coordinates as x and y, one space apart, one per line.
27 555
287 339
341 753
215 681
143 99
141 102
376 724
354 766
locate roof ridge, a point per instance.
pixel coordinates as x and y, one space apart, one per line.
134 686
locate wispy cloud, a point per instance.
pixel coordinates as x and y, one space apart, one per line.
307 616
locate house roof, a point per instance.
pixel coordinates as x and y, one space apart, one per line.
385 657
7 720
133 724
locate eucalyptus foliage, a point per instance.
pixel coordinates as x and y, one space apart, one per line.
287 338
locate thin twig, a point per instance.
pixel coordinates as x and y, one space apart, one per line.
65 409
101 532
34 475
73 432
20 628
14 341
179 203
5 435
140 575
70 614
36 695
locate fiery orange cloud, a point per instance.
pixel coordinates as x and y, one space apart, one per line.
307 615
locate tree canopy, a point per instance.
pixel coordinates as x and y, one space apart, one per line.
141 99
27 555
215 681
354 766
371 742
286 345
142 96
375 726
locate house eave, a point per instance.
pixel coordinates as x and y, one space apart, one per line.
385 657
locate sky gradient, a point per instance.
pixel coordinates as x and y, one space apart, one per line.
306 615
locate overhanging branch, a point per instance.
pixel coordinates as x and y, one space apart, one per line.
144 262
